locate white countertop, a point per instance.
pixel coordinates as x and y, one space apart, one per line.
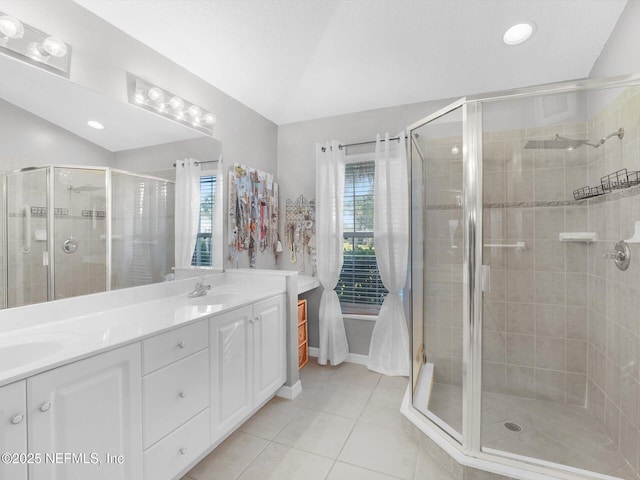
306 283
88 327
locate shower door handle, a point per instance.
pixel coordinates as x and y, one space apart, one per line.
485 278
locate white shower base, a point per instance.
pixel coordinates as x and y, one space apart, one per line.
550 432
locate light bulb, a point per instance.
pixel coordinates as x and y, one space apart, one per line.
35 51
455 150
11 27
139 97
194 112
54 47
155 94
176 103
209 119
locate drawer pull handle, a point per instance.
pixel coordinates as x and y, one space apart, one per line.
16 419
45 406
257 319
251 320
181 344
182 451
182 394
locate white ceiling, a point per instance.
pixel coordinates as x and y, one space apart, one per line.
70 106
294 60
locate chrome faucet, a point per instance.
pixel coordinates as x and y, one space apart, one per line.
200 289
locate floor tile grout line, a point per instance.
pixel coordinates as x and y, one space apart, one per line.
254 458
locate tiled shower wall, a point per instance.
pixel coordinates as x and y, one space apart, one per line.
443 258
614 295
535 315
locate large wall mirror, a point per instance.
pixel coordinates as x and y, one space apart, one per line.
86 210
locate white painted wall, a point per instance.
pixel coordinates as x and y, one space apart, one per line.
102 55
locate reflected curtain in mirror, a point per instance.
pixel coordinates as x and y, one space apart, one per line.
187 210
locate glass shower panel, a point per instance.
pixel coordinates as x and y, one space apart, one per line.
26 229
553 320
436 156
79 227
142 230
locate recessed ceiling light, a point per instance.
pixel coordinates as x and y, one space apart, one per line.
96 125
518 33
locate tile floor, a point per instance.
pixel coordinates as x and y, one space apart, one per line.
550 431
345 425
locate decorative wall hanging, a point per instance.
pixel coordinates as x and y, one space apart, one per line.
300 232
253 213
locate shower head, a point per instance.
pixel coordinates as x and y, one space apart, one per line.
564 143
84 188
558 143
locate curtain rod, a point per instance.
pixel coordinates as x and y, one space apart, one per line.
324 149
200 163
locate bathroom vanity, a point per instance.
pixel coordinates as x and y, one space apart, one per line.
143 390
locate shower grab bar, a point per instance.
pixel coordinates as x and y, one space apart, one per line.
520 246
26 229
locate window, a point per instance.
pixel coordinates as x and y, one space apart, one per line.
359 288
202 255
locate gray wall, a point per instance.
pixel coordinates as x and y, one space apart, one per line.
620 54
296 172
102 55
30 141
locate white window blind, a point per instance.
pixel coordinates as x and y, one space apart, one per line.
359 288
202 255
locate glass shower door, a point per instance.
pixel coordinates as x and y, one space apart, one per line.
437 276
80 217
26 227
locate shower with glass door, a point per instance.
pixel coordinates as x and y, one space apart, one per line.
72 231
525 326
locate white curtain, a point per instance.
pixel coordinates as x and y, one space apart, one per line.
187 210
330 166
218 218
389 348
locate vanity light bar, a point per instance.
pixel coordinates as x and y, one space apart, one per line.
167 104
29 44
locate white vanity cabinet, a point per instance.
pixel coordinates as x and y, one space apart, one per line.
92 406
13 429
248 361
175 403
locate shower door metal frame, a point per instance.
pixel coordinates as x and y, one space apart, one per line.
471 445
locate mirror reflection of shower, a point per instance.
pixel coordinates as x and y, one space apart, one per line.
564 143
58 228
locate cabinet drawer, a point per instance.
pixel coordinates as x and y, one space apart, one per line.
168 347
176 451
303 355
302 311
302 333
173 395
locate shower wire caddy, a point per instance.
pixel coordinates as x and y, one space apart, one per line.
614 181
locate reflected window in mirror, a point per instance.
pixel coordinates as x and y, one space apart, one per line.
203 253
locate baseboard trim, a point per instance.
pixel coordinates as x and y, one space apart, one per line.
290 392
351 358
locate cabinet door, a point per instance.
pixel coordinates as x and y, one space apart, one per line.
88 411
13 428
269 361
231 369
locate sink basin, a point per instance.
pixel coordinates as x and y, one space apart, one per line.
12 356
218 298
